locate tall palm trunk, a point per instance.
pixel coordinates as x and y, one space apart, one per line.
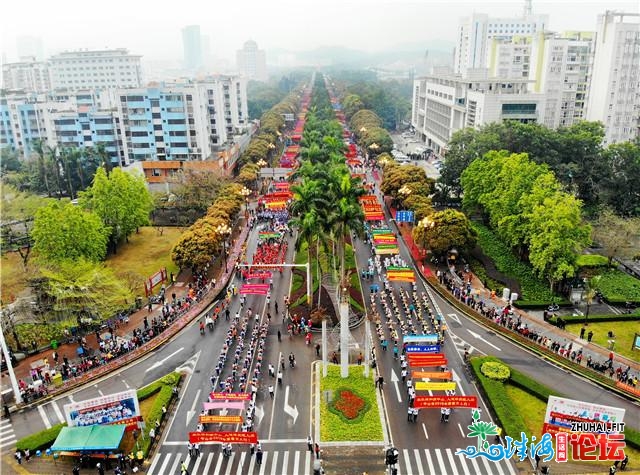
318 270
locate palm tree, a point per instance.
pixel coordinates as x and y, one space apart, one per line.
39 148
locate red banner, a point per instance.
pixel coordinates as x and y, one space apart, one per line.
422 402
423 363
254 289
220 419
223 437
230 396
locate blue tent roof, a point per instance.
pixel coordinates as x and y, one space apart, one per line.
94 437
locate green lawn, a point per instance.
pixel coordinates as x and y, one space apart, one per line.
13 275
334 428
624 332
618 286
144 255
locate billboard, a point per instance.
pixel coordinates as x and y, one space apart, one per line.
118 408
562 413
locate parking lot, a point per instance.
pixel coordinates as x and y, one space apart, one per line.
408 144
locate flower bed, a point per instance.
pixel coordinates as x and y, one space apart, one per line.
352 414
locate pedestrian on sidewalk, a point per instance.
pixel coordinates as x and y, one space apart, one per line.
317 450
310 444
7 413
279 336
317 349
271 391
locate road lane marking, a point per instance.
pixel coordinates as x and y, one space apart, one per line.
263 466
174 467
432 469
440 459
56 409
44 417
416 454
243 455
218 464
154 462
296 462
208 464
274 463
165 463
461 431
424 429
285 461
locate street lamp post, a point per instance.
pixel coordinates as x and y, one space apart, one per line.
224 230
245 192
261 163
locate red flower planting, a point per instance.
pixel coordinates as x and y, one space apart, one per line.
349 404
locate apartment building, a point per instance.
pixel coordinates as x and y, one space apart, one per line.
615 82
251 61
27 75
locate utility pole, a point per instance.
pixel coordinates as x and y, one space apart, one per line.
12 375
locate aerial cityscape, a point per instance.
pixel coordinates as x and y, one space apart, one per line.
342 238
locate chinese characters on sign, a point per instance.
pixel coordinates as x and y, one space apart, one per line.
223 437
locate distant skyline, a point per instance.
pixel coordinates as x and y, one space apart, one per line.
368 25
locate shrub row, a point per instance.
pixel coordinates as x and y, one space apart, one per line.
540 305
592 260
541 351
44 439
533 288
494 390
155 414
618 287
631 317
505 412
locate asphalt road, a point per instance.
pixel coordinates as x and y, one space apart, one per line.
284 421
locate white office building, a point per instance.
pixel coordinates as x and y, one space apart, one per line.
28 75
98 69
615 82
192 47
252 62
444 104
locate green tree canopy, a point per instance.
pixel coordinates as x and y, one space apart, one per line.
80 288
67 232
445 230
121 200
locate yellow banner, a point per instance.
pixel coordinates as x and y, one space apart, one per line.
424 386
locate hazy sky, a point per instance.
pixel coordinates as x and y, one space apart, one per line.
152 28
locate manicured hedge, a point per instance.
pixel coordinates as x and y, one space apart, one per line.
40 440
542 305
618 287
630 317
592 260
163 399
506 413
504 409
533 288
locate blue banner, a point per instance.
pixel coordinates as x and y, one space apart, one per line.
404 216
422 348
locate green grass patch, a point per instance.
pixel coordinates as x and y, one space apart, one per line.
334 427
592 260
624 332
13 275
145 254
506 262
533 417
618 287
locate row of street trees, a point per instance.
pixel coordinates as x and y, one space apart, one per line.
596 174
525 203
325 204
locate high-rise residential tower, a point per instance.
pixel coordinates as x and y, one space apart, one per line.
251 61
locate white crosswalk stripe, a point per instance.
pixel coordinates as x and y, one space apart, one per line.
445 461
7 436
274 462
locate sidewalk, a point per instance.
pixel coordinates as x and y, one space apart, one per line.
136 320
